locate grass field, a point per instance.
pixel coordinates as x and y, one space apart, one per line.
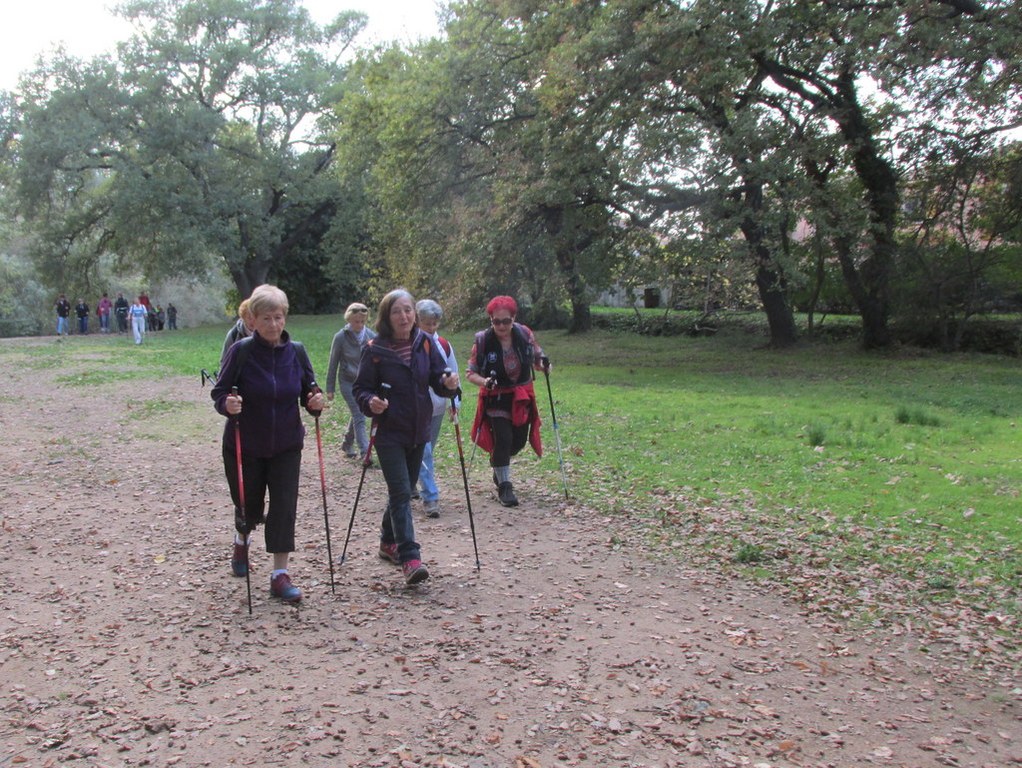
797 467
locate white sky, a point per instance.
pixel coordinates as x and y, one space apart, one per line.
87 28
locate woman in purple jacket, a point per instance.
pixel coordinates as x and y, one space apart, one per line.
407 361
274 377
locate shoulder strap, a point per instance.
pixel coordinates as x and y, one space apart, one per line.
244 348
303 358
480 350
445 344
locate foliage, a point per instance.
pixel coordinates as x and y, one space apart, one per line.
963 224
199 142
26 307
473 173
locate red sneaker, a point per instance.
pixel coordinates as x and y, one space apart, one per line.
414 572
281 586
389 553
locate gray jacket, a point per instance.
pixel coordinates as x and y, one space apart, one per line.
345 352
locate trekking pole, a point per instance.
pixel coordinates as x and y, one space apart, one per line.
545 361
241 501
366 461
207 376
322 485
464 472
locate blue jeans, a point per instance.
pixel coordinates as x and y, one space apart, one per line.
400 465
83 325
357 424
427 480
61 326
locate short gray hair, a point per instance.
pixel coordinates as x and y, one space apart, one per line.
429 309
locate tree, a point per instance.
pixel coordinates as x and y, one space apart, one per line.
963 222
205 139
471 170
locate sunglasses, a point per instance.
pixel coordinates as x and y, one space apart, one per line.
502 320
360 311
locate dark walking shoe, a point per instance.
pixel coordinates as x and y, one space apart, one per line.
281 586
388 552
239 560
431 508
506 494
414 572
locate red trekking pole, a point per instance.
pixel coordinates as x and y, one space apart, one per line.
241 501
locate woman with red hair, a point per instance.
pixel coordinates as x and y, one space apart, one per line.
501 364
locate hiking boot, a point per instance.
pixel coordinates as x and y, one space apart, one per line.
388 552
506 494
414 572
281 586
431 508
416 496
239 560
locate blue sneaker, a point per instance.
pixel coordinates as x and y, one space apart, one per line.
281 586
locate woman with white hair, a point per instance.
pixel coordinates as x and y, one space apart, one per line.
430 314
265 380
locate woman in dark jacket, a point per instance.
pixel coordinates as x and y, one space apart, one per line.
407 361
501 363
274 378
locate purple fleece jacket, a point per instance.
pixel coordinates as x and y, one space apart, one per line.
272 384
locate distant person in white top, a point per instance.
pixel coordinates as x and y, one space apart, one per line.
138 315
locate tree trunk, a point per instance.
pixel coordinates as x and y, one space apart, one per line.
565 249
773 290
881 187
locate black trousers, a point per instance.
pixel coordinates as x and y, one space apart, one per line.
507 440
277 475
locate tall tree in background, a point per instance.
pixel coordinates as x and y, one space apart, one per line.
204 139
471 171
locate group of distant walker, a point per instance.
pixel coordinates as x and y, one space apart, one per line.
141 316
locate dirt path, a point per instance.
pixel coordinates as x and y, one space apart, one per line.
125 641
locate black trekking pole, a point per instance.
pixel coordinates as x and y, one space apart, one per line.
464 472
545 361
241 501
207 376
322 485
366 462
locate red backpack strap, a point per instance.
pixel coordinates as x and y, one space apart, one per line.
445 344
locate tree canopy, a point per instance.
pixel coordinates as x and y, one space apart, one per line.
550 150
202 139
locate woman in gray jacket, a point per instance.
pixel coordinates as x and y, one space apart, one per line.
345 353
